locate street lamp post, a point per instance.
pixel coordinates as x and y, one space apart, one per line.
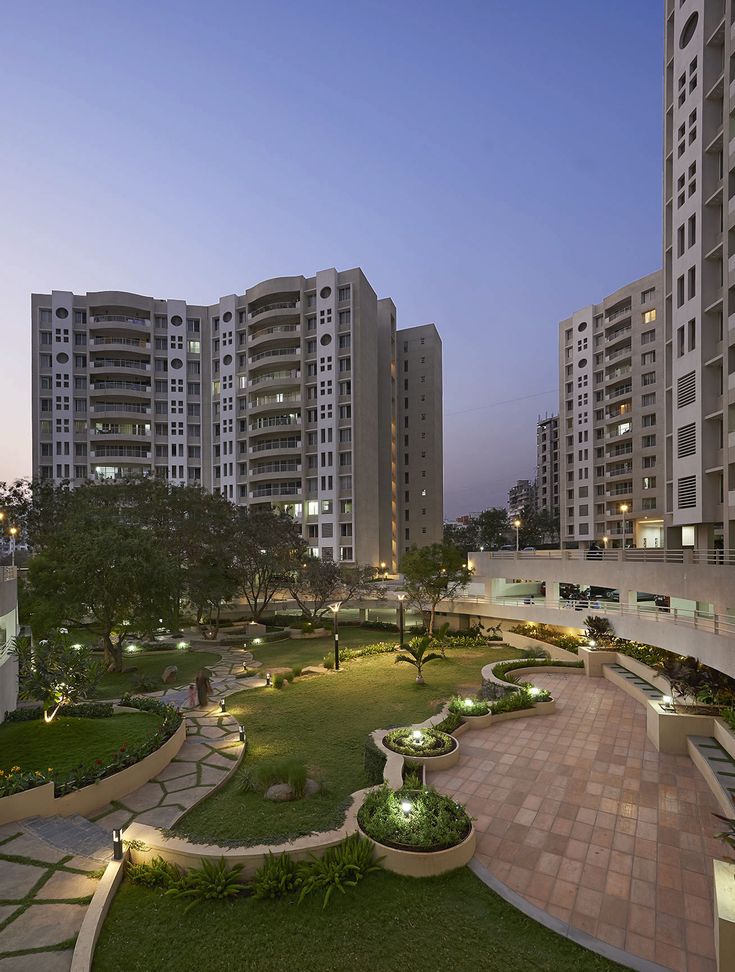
334 608
13 531
401 599
517 525
604 540
624 510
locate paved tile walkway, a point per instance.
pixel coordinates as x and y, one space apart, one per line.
44 893
580 815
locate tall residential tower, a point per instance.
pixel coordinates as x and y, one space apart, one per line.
298 393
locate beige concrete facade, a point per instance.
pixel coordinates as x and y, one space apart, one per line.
8 631
285 395
699 268
611 419
547 464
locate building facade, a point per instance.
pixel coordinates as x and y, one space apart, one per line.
611 424
699 271
521 496
547 465
286 395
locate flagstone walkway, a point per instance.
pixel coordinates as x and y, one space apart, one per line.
578 813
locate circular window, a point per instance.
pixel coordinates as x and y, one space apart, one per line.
325 339
62 312
582 362
688 32
325 292
227 360
227 317
582 326
176 320
176 363
62 357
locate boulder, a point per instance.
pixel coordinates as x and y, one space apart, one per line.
169 674
311 788
279 792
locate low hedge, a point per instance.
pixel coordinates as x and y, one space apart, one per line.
431 742
433 822
468 707
81 710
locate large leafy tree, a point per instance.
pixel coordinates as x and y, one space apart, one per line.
267 543
492 528
314 584
433 574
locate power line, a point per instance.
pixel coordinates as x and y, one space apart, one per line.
508 401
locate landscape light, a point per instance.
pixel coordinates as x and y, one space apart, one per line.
241 732
417 736
406 807
267 679
182 645
592 643
534 691
222 705
468 703
666 700
117 844
257 641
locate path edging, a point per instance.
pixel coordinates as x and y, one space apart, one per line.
95 915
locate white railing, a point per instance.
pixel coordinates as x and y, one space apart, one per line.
652 555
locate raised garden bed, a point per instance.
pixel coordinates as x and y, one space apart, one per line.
421 743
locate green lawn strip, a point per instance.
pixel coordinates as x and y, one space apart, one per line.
66 743
311 651
152 665
68 943
6 840
325 721
386 922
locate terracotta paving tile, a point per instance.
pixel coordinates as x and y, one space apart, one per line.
578 813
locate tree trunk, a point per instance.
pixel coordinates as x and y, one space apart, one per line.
113 653
431 619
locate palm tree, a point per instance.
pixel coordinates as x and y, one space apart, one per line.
418 655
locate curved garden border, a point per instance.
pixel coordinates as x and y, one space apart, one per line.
41 802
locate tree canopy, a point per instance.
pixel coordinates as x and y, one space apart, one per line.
433 574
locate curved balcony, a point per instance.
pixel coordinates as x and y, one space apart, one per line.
101 453
120 433
266 403
274 470
270 356
119 366
279 333
116 388
119 322
267 490
267 425
288 445
115 345
280 378
118 411
275 308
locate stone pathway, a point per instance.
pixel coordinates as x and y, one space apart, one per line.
578 813
75 835
44 893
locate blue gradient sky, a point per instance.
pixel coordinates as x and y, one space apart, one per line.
491 166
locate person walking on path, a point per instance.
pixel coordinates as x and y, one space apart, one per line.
204 687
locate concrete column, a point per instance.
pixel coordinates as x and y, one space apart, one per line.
362 612
552 590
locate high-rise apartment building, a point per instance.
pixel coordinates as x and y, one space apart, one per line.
547 464
611 419
298 393
699 271
521 496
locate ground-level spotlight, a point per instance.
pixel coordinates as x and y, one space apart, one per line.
667 702
241 733
468 703
406 807
418 736
222 705
117 844
268 679
534 691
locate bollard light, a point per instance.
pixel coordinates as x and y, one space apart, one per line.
417 736
117 844
268 679
222 705
241 732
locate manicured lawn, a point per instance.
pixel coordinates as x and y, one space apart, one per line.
386 922
65 743
325 720
311 651
152 664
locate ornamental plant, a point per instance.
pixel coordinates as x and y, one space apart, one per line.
468 706
408 819
419 742
417 653
55 671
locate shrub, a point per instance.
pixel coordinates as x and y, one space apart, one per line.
373 762
289 675
278 681
297 670
449 723
468 707
82 710
213 881
379 648
429 742
266 773
341 867
145 683
512 702
328 662
534 652
413 777
156 874
277 876
433 823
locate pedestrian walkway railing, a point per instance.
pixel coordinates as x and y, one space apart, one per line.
637 555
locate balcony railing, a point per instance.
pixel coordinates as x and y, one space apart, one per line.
275 376
120 318
654 555
121 363
276 329
277 489
123 407
124 342
114 385
267 423
269 445
275 353
277 305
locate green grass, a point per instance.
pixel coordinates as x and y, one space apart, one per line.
387 922
65 743
310 651
152 664
324 720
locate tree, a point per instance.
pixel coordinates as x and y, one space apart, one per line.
492 528
315 583
463 536
530 533
417 654
55 672
433 574
267 542
599 630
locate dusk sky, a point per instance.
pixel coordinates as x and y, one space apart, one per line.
491 166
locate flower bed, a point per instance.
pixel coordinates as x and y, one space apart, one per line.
467 707
419 742
413 820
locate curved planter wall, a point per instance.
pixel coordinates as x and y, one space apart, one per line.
41 802
421 864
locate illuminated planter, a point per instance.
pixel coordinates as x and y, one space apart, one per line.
418 863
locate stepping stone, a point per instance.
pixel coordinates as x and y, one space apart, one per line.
217 760
193 751
211 776
214 732
111 821
160 817
183 783
42 925
48 961
74 835
6 911
186 798
86 863
172 772
29 846
66 885
16 880
144 798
